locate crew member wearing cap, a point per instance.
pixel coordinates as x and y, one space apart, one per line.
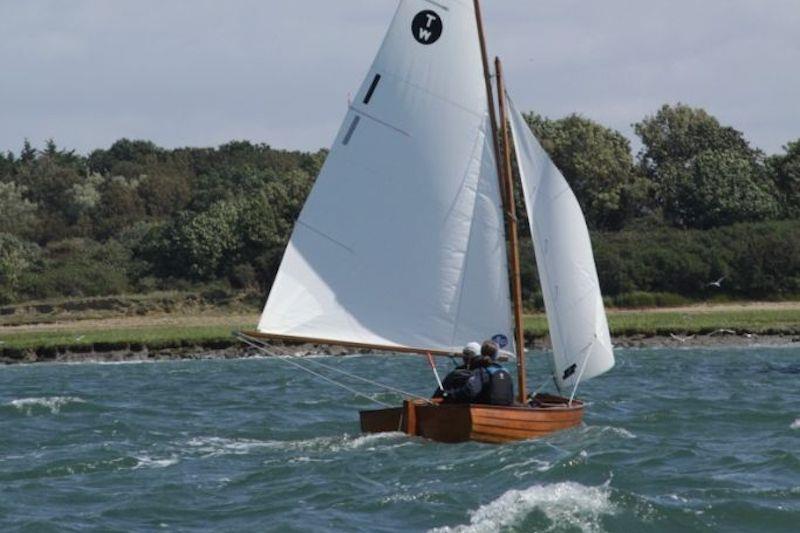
489 383
471 356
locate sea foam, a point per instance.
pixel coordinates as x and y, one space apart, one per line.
566 504
51 403
149 462
216 446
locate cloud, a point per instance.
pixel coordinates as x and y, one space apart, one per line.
88 72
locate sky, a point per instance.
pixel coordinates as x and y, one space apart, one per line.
202 73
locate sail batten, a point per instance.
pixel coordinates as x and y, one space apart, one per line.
401 242
579 332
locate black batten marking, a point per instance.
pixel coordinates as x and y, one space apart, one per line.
352 130
372 88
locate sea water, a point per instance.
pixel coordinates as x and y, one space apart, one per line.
673 440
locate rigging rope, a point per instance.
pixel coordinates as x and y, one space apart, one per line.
262 347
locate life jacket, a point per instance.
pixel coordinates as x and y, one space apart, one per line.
500 389
454 380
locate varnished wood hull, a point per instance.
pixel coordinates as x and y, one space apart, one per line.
476 422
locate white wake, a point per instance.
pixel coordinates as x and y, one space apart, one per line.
566 504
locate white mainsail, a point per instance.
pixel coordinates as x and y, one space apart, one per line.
401 242
575 312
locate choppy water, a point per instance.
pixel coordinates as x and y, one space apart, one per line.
688 440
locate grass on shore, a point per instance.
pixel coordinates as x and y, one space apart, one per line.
691 322
153 336
187 332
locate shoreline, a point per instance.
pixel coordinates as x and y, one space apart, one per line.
233 349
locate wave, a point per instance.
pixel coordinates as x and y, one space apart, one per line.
216 446
50 403
795 424
149 462
567 504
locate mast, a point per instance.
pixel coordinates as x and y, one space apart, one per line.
513 252
490 96
507 192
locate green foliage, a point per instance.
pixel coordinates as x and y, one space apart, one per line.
703 174
17 214
137 217
597 163
78 267
785 170
757 260
718 188
639 299
16 257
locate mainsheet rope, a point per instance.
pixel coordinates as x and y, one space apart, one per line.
290 356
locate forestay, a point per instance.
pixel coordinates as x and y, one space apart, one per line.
401 242
578 326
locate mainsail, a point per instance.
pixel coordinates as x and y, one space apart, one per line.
578 326
401 242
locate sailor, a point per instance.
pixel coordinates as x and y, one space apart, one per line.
489 383
500 389
470 356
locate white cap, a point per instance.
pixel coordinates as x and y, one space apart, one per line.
473 349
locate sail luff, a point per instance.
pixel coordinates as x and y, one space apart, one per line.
513 236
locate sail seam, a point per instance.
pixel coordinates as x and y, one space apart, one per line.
379 121
400 79
437 4
328 237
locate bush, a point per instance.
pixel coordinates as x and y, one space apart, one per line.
638 299
760 260
78 268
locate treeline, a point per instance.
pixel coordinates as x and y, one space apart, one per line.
696 204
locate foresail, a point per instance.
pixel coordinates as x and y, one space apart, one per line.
401 241
575 312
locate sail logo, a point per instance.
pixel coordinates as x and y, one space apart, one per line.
501 340
427 27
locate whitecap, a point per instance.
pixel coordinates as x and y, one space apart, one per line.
795 424
617 431
215 446
149 462
566 505
52 403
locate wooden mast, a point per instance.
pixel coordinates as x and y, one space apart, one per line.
507 192
516 279
490 96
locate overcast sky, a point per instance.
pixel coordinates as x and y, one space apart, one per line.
200 73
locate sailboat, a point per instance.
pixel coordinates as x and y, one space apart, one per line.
408 242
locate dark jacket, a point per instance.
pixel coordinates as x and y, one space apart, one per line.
489 385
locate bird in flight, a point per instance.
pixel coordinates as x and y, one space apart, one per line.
718 283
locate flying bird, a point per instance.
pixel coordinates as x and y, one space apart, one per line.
718 283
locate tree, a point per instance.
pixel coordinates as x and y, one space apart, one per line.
719 188
703 174
16 256
120 206
785 172
17 213
598 164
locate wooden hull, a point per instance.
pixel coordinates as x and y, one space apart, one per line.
483 423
